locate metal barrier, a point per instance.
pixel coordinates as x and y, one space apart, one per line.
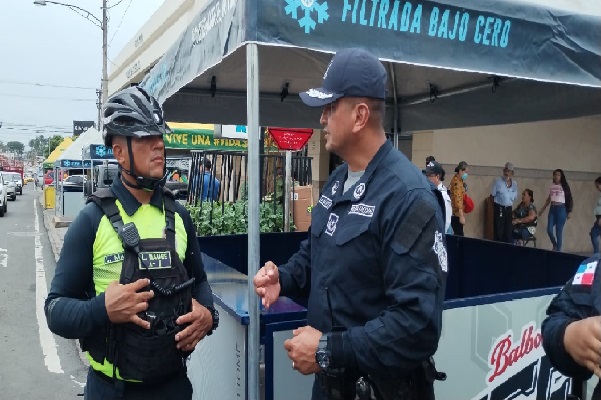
225 183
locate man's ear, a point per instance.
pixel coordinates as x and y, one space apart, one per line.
361 115
119 151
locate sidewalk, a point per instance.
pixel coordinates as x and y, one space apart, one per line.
56 232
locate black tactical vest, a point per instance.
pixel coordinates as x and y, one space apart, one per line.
147 354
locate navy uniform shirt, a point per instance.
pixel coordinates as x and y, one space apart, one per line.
374 266
72 308
580 298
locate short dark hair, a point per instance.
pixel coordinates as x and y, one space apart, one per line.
530 193
208 164
598 181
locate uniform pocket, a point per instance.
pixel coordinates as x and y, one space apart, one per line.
350 232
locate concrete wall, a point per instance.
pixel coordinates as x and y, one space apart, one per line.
536 149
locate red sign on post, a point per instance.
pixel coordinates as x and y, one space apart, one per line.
290 138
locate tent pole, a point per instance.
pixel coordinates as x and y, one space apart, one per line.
395 128
254 181
287 189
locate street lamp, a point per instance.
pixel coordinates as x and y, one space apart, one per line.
102 25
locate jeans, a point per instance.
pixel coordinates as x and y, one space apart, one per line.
557 219
595 232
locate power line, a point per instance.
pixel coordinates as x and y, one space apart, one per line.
45 85
120 22
115 5
36 125
45 98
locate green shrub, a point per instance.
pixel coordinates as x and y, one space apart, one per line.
211 219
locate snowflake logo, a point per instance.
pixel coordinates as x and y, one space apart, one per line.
100 151
308 6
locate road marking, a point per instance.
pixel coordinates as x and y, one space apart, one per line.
4 258
51 359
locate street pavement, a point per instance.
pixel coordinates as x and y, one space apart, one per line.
36 364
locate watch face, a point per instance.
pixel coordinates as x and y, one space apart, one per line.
323 359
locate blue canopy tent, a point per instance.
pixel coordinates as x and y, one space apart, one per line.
450 63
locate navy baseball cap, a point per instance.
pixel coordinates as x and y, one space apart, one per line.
433 168
352 73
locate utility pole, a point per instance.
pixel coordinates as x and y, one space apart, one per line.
99 106
105 80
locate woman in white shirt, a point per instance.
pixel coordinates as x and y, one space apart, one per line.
560 198
596 229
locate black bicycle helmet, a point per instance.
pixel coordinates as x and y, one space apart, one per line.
133 113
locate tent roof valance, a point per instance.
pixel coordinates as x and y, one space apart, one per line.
444 58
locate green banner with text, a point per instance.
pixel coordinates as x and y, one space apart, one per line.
201 139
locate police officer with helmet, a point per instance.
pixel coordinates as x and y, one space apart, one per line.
130 283
374 264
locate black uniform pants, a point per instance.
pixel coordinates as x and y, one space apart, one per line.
502 223
100 387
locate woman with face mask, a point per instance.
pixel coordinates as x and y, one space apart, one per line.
560 198
458 189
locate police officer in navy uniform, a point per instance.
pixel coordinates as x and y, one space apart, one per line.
130 283
572 330
374 264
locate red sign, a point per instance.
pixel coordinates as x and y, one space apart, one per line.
290 138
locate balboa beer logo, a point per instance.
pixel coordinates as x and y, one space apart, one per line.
412 17
519 369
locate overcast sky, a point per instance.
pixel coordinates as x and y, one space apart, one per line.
54 46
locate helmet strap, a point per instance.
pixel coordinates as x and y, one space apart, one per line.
142 182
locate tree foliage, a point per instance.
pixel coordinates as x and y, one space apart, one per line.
16 147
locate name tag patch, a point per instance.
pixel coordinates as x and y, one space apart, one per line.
325 201
154 259
363 210
114 258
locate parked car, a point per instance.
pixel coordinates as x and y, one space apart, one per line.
73 183
11 188
49 178
39 181
16 178
3 196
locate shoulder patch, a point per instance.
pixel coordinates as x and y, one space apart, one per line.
585 274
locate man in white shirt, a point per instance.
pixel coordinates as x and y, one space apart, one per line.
434 173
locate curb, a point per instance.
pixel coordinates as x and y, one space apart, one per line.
49 229
56 251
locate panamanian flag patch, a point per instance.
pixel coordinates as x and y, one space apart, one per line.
585 274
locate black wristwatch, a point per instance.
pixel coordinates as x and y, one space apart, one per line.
215 315
323 355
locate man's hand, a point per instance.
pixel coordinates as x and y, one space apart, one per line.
582 340
302 348
123 302
200 322
267 284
